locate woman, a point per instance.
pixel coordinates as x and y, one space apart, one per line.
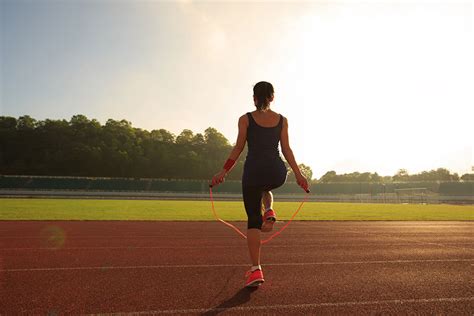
264 170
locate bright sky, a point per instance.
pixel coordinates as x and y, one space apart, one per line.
373 86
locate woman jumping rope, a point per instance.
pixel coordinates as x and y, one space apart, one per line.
264 170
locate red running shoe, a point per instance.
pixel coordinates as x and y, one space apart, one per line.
269 218
254 278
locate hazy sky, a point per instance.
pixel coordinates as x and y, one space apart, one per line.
366 86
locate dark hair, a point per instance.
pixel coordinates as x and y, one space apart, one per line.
262 91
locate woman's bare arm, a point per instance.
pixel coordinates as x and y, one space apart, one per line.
290 158
241 139
236 151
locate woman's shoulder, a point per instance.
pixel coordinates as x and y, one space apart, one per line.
281 116
284 120
244 119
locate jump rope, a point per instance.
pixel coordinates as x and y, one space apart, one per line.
242 234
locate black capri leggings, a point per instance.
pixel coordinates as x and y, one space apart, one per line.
257 178
253 203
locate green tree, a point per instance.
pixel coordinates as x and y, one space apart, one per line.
84 147
467 177
401 175
305 171
26 123
216 151
162 136
8 123
328 177
185 138
8 141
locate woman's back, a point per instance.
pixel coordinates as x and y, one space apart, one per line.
263 136
266 118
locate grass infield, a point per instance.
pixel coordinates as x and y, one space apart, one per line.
77 209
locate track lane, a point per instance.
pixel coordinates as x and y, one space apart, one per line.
341 268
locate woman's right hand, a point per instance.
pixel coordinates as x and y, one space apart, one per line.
302 182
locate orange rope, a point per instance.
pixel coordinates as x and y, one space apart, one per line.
242 234
222 221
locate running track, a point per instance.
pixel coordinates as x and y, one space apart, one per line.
198 267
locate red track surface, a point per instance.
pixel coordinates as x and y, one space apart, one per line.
198 268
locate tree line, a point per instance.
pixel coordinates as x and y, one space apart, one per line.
85 147
440 174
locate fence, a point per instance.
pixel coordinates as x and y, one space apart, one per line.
402 192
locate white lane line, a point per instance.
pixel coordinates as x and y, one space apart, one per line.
392 224
334 233
339 233
125 236
237 265
326 245
297 306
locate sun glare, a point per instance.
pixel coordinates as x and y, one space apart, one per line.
359 87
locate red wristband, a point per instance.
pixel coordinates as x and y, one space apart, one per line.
228 164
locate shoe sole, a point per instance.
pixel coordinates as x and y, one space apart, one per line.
255 283
268 224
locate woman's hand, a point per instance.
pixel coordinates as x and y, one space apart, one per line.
218 177
302 182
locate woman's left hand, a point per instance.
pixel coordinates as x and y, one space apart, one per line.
302 182
218 178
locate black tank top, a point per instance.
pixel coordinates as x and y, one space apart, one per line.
263 141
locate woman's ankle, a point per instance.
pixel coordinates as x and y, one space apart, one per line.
256 267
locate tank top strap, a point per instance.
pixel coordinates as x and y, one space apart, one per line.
251 120
280 123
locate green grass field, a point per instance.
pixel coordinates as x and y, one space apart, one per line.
76 209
